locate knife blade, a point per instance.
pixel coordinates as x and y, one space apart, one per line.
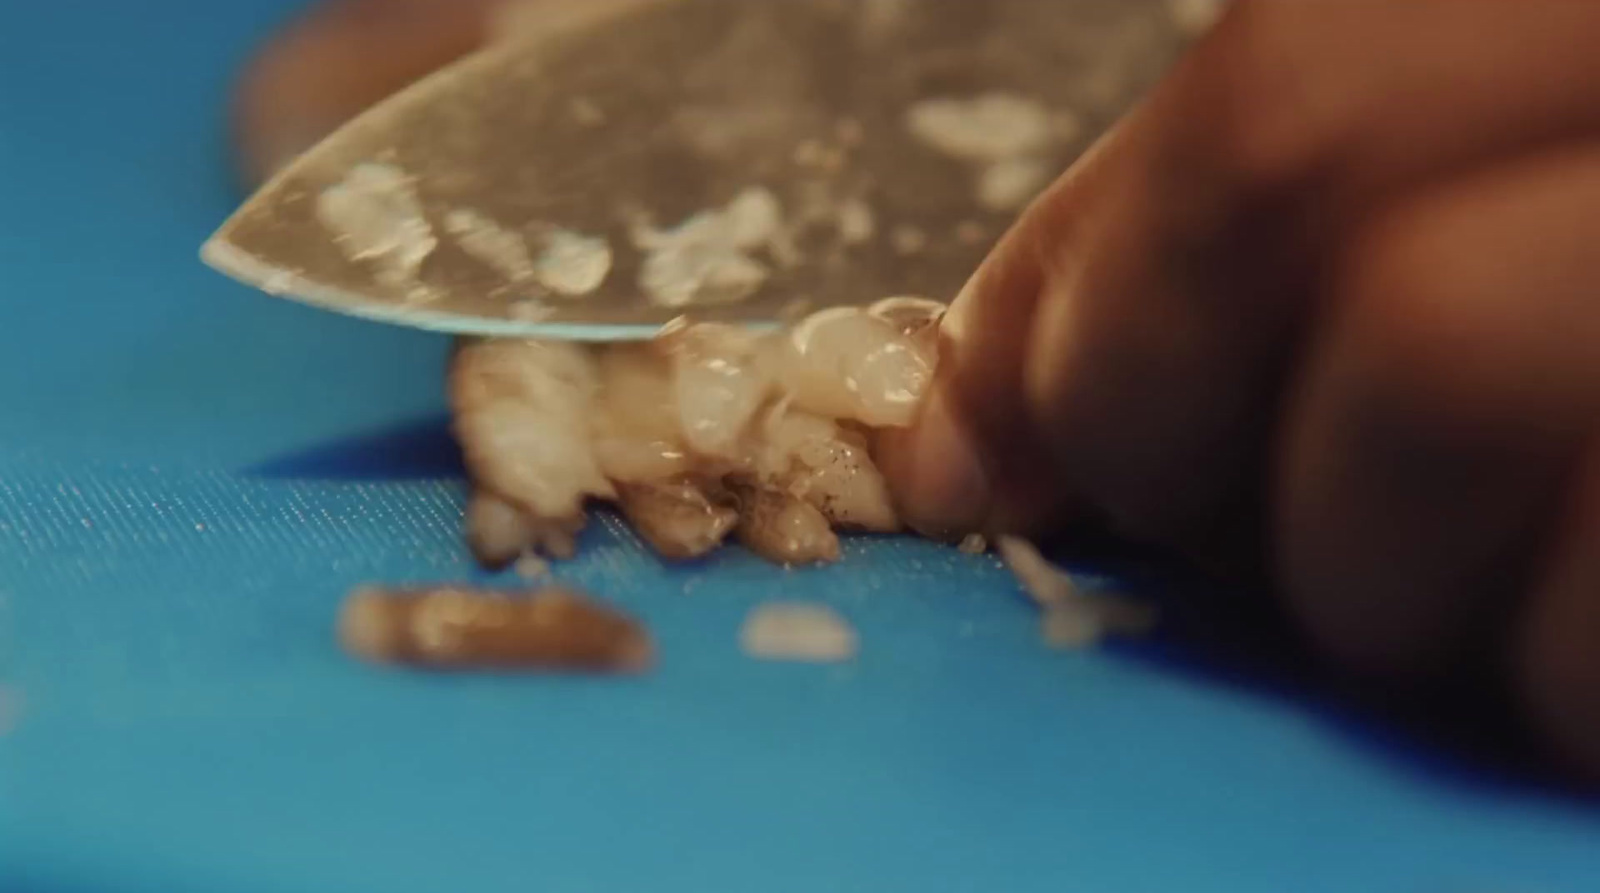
733 161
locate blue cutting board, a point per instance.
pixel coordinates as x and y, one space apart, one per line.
192 475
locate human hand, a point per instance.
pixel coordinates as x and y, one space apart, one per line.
1329 301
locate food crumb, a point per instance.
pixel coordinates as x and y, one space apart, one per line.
1071 618
531 567
973 544
454 627
797 631
573 264
907 239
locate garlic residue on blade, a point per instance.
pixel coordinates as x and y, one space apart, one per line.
573 264
1196 17
984 128
375 215
1011 138
706 258
1011 183
490 243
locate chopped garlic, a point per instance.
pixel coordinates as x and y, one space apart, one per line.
797 631
376 216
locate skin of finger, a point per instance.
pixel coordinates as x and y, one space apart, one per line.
1151 302
977 465
1357 100
1092 355
1558 649
1438 413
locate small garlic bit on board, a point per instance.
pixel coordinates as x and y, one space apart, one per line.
798 631
1071 618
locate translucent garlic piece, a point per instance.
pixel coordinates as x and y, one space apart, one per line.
781 528
907 313
845 363
678 518
719 383
522 417
829 467
637 437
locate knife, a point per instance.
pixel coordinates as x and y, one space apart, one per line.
743 162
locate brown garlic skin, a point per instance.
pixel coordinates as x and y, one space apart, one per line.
455 627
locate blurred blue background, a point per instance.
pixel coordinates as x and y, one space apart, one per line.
191 475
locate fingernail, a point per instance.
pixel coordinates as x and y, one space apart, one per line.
935 472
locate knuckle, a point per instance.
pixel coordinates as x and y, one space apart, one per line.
1408 301
1269 70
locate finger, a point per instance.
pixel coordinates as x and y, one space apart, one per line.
971 464
1442 404
1356 99
1135 323
1558 651
1094 356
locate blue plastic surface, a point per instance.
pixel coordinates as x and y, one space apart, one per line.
191 476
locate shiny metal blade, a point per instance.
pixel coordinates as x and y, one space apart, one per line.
735 161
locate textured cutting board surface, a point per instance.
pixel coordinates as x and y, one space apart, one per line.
192 475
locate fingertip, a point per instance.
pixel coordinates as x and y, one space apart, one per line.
935 471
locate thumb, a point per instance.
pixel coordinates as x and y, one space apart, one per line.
957 469
1115 357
